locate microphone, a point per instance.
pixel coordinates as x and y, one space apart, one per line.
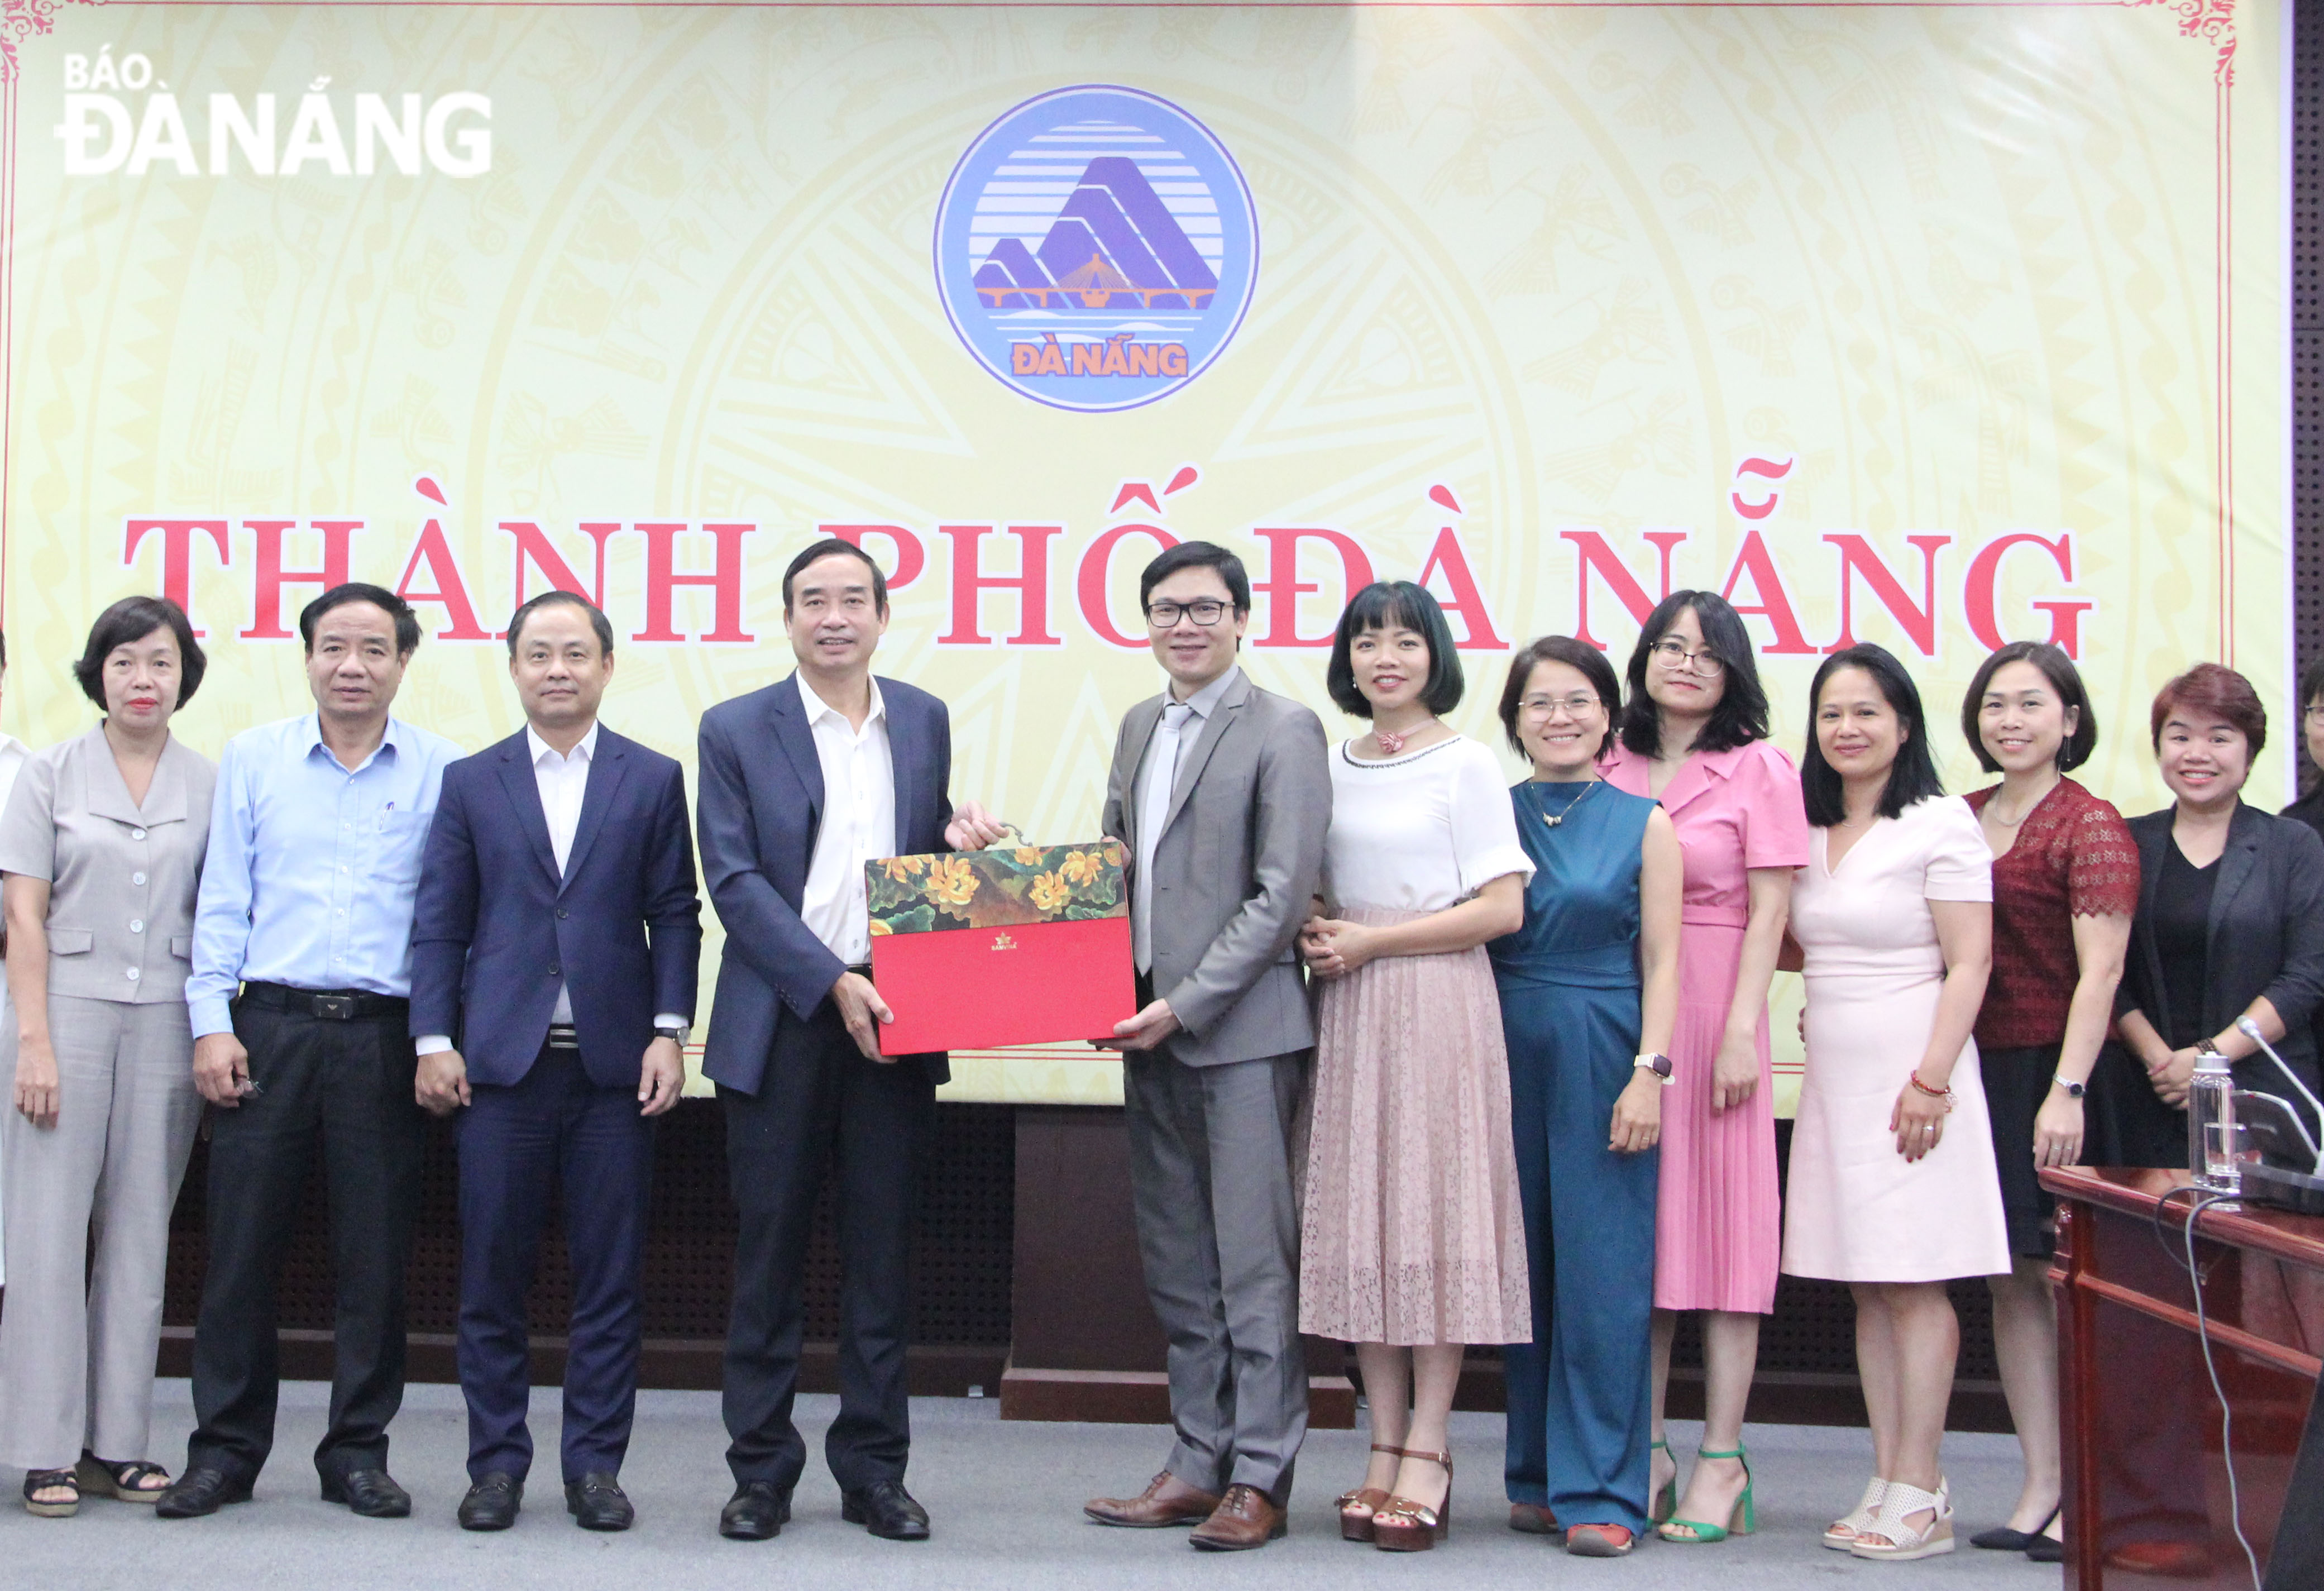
2250 1029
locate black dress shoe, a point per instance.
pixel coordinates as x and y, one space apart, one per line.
757 1512
2046 1549
492 1503
371 1493
201 1490
885 1509
597 1503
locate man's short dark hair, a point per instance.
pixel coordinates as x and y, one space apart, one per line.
1192 555
1394 605
824 548
407 623
559 597
131 619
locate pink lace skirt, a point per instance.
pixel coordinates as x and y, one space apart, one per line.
1411 1231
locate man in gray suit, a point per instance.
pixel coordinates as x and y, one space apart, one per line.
1221 794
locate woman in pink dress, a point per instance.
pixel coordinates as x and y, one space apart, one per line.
1694 737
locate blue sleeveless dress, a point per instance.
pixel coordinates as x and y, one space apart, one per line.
1581 1411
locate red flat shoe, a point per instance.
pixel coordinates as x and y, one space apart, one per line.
1598 1541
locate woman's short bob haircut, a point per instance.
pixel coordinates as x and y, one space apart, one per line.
2219 692
131 619
1395 604
1578 654
1912 778
1741 716
2064 678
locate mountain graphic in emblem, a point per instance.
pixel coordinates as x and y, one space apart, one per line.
1113 243
1096 248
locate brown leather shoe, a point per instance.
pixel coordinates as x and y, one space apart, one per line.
1244 1518
1165 1501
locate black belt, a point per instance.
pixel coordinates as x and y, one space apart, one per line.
327 1004
562 1036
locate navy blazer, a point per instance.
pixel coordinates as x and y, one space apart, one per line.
495 928
2267 936
761 806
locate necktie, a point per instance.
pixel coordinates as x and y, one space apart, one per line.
1161 778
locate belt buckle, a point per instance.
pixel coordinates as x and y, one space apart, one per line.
336 1007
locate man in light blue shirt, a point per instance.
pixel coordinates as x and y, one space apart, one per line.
300 995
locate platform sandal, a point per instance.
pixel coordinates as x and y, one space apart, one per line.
119 1478
51 1480
1406 1526
1741 1520
1840 1534
1358 1527
1666 1499
1890 1540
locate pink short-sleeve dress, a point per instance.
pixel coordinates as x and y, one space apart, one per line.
1718 1220
1857 1210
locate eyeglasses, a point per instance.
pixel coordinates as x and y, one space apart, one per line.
1205 611
1674 655
1580 705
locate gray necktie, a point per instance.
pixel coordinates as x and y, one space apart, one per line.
1160 779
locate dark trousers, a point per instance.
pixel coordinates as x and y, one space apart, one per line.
553 1129
346 1088
821 1101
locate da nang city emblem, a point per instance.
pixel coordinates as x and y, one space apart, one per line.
1096 248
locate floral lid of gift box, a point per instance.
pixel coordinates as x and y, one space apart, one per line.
999 888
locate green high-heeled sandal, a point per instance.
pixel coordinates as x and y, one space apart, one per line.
1742 1522
1666 1499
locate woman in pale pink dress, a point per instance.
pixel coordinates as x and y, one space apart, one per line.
1694 737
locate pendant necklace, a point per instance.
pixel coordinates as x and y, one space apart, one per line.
1560 818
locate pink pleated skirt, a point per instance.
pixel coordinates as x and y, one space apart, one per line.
1411 1231
1718 1213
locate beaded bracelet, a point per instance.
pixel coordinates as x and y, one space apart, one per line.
1944 1093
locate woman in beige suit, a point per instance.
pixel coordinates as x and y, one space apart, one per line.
100 854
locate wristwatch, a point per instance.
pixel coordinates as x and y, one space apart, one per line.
1660 1065
2073 1090
677 1032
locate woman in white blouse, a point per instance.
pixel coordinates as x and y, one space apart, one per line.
1413 1242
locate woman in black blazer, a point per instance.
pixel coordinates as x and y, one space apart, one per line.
2231 924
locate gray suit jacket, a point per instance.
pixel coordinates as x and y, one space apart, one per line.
1235 871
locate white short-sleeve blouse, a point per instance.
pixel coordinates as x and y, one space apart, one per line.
1419 832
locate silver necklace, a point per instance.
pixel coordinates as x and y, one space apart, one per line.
1554 821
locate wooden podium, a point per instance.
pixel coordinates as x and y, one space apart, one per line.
2145 1481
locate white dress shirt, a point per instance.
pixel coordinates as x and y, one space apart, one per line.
858 825
1158 777
563 780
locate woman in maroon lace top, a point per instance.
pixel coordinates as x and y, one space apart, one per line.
2065 888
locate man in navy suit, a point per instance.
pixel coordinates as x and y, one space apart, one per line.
557 939
802 783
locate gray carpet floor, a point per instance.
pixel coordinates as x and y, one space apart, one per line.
1006 1499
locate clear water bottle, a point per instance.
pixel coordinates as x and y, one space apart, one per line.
2214 1136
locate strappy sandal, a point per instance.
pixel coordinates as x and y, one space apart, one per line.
1741 1520
1358 1527
119 1478
1406 1526
1666 1499
1891 1539
51 1480
1841 1533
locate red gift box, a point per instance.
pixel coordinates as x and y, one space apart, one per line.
1016 945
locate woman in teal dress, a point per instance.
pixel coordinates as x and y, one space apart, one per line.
1589 995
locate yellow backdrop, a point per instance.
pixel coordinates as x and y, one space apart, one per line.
1924 324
